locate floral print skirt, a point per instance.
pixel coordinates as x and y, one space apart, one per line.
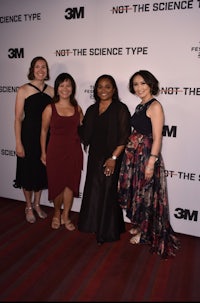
146 202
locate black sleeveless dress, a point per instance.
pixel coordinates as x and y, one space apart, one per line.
30 171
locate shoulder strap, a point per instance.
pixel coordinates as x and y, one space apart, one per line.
149 103
45 86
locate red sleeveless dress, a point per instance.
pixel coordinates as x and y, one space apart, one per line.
64 154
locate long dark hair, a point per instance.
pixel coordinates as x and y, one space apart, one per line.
115 97
60 79
32 66
149 79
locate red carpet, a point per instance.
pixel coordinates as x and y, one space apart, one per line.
41 264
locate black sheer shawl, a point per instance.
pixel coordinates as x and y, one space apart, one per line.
119 125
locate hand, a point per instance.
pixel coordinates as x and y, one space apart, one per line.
149 172
20 151
109 167
43 158
108 171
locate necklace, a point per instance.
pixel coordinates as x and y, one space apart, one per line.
139 107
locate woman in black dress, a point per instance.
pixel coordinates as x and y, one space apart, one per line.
31 100
105 129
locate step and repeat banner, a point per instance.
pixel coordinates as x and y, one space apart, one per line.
87 38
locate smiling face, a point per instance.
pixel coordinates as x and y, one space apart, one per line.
40 70
105 89
65 89
142 90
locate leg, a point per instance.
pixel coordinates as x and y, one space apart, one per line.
67 200
134 230
57 206
29 210
36 204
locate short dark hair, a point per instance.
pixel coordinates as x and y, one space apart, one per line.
149 79
31 68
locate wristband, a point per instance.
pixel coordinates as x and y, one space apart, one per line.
151 155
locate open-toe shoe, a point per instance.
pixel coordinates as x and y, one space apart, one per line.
30 218
136 238
39 211
69 225
55 224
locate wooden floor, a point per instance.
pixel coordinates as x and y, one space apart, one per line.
45 265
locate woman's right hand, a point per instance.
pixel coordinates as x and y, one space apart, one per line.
20 151
43 158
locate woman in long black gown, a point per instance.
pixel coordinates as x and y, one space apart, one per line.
31 100
105 129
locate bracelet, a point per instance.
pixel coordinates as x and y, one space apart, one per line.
151 155
114 157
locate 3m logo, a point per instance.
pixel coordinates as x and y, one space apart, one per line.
74 13
169 132
15 53
186 214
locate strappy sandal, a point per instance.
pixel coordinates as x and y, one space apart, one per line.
39 211
30 218
69 225
55 224
136 239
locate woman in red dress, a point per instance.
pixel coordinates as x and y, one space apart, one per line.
63 156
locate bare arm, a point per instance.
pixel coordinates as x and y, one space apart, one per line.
19 115
46 118
157 120
156 114
81 114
